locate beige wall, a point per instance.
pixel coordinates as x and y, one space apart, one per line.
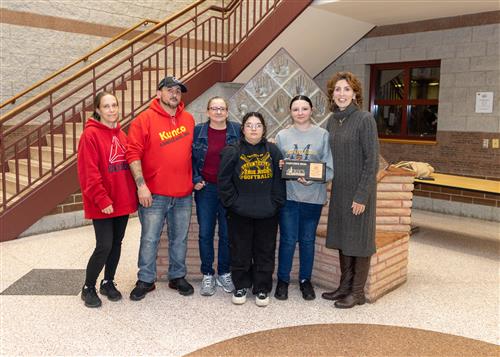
39 37
313 39
470 63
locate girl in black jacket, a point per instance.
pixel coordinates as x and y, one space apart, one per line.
250 187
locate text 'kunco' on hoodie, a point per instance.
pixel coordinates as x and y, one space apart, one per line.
104 173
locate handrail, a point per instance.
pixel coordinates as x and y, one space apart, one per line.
81 59
180 46
136 39
206 45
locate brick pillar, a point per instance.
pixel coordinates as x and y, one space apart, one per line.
388 265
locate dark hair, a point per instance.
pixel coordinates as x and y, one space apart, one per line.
258 116
97 103
353 82
301 97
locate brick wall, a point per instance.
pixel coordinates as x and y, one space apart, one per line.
71 204
458 153
457 195
470 60
388 266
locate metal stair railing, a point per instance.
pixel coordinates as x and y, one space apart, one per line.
180 45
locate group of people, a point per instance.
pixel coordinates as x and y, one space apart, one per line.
236 175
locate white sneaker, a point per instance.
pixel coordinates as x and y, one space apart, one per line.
226 282
262 299
207 285
240 297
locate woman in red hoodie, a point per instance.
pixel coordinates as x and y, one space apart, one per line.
108 192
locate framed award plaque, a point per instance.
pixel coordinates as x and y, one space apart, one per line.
311 171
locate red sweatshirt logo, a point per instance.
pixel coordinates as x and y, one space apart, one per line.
117 152
117 161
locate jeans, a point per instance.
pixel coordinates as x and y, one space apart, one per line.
209 210
176 212
109 234
298 223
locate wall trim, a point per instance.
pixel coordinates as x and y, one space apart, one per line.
444 23
28 19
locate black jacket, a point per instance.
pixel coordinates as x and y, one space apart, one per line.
249 181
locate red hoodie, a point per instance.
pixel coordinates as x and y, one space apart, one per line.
163 144
103 171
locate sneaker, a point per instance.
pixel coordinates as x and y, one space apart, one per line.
281 292
141 289
226 282
307 290
262 299
240 296
108 288
182 286
89 295
208 285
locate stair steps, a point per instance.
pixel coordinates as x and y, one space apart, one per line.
10 182
23 167
59 139
77 127
45 150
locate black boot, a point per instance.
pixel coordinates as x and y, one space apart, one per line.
357 296
346 275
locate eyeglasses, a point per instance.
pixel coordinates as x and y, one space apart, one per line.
254 126
216 109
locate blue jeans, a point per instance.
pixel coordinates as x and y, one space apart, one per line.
176 212
298 223
209 210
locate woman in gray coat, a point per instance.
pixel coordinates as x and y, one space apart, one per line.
351 218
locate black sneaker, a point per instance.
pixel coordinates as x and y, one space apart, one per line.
239 296
281 292
307 290
182 286
108 289
262 299
141 289
89 295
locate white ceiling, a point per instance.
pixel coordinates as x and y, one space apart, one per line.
387 12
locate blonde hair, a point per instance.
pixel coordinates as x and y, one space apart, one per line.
214 98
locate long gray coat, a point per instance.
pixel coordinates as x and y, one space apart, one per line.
354 143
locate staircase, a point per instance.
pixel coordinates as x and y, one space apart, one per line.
201 45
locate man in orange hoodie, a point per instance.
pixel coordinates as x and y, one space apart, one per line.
159 155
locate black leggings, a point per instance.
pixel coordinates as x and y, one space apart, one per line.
109 234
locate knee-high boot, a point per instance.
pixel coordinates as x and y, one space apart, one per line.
346 276
357 295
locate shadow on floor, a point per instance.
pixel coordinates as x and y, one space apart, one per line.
459 242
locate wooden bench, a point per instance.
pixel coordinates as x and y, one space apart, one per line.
463 182
459 195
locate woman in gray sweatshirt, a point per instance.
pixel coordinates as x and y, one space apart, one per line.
299 217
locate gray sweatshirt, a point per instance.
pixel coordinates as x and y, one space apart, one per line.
311 145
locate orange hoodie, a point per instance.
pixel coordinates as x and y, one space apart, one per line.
163 144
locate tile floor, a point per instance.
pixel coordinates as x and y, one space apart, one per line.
453 287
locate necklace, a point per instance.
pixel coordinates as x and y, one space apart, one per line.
341 121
